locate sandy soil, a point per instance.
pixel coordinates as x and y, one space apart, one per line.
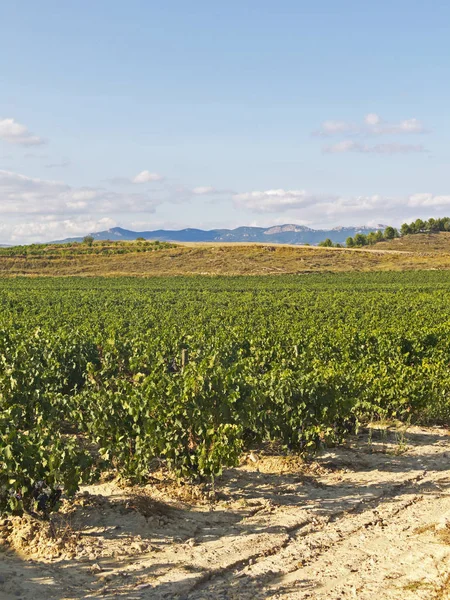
363 521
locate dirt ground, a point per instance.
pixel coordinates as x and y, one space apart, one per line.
362 521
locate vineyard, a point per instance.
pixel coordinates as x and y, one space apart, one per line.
126 375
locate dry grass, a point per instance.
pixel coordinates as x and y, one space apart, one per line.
224 260
410 253
426 243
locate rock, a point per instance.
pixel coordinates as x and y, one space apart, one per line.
140 546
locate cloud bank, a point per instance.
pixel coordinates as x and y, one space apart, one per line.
372 125
352 146
331 209
146 177
33 209
15 133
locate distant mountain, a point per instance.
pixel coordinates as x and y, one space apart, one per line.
279 234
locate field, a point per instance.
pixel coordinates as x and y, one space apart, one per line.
206 395
414 252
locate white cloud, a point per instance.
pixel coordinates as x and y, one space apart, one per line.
316 209
203 189
335 127
428 200
277 200
207 190
16 133
372 119
344 146
22 195
147 177
391 148
373 124
52 229
408 126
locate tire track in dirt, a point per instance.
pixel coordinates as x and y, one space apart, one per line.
297 552
359 519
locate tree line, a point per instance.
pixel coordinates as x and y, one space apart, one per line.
372 238
430 226
362 239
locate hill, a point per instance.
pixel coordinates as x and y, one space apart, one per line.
280 234
426 243
162 259
145 258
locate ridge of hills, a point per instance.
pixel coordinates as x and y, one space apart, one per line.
278 234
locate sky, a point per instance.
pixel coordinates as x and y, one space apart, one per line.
148 115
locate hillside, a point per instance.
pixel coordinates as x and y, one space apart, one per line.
144 258
428 243
147 259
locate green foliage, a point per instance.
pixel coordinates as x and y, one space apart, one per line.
88 240
390 233
360 240
349 242
188 371
68 250
326 243
372 238
430 226
405 229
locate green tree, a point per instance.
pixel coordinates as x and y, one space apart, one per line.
326 243
432 225
360 240
349 242
418 226
405 229
443 224
88 240
390 233
372 238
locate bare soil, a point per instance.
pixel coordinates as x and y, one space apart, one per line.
370 519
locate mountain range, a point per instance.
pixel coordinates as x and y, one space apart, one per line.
279 234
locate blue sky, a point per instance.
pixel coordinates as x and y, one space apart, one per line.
178 114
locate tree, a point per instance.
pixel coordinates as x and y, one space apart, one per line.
418 226
432 225
349 242
372 238
390 233
326 243
405 229
379 236
88 240
360 239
